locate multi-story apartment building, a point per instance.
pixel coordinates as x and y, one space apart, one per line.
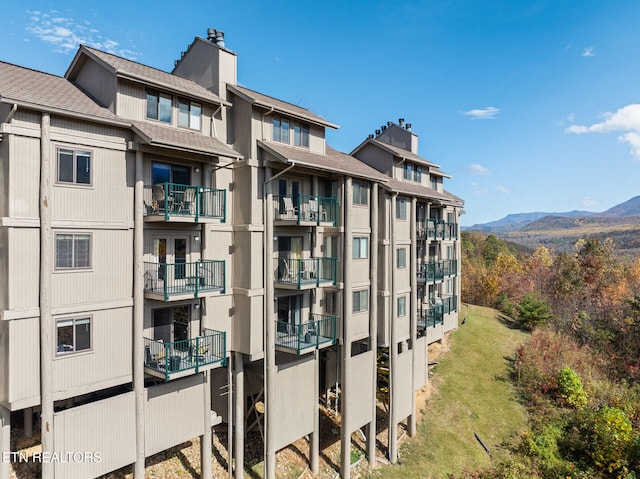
176 248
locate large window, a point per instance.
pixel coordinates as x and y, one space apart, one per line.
331 302
360 193
417 174
408 171
360 248
74 167
281 127
73 335
189 114
360 300
300 134
401 258
73 251
402 306
159 106
401 208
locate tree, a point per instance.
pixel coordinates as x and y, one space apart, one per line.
533 311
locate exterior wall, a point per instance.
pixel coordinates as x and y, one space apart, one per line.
23 363
106 427
316 139
22 272
400 137
130 100
376 158
24 185
420 376
360 407
402 378
100 82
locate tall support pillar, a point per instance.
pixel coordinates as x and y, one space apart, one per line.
314 443
47 333
345 429
413 302
373 323
393 341
206 439
138 316
28 422
5 439
238 411
269 330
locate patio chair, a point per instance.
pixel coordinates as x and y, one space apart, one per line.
313 209
289 210
186 201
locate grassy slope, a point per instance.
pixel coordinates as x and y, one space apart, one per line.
474 394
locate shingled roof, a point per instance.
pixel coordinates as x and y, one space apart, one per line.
415 189
45 92
279 106
147 75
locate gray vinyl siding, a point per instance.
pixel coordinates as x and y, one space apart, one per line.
24 363
108 363
4 363
100 82
4 267
420 366
131 100
23 271
402 381
24 177
362 372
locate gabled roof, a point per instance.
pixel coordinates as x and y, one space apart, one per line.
279 106
42 91
137 72
415 189
167 137
400 153
332 160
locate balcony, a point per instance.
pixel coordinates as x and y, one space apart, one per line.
182 358
319 332
177 281
433 314
184 203
437 270
307 210
436 229
306 273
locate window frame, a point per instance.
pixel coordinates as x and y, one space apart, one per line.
57 249
408 171
301 133
75 322
362 189
362 306
417 174
189 114
399 264
401 312
158 97
75 153
359 240
401 209
281 130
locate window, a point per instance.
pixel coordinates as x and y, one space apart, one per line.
401 208
331 302
360 248
73 335
361 300
434 182
73 251
417 174
401 258
159 106
360 193
189 114
408 171
74 167
402 306
449 287
300 134
281 128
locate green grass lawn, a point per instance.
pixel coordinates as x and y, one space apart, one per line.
474 394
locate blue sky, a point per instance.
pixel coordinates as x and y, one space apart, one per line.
530 106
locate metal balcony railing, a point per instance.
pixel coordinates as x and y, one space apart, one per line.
170 279
310 271
436 229
306 209
437 270
433 314
321 329
171 358
172 199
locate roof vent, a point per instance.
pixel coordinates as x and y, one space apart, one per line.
409 126
384 127
370 136
216 37
220 39
389 123
401 122
211 34
377 132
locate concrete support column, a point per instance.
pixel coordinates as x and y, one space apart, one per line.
413 304
138 315
47 327
28 422
393 341
238 411
314 443
5 439
206 439
270 334
373 322
345 428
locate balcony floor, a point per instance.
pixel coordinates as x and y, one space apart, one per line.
303 346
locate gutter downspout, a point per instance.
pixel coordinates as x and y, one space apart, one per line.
291 165
214 133
14 108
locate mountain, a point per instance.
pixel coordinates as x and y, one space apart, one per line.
517 221
624 210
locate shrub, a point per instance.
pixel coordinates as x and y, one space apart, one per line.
613 440
570 388
533 311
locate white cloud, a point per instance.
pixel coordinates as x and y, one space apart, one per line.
626 120
588 52
503 189
65 34
589 202
487 113
476 169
